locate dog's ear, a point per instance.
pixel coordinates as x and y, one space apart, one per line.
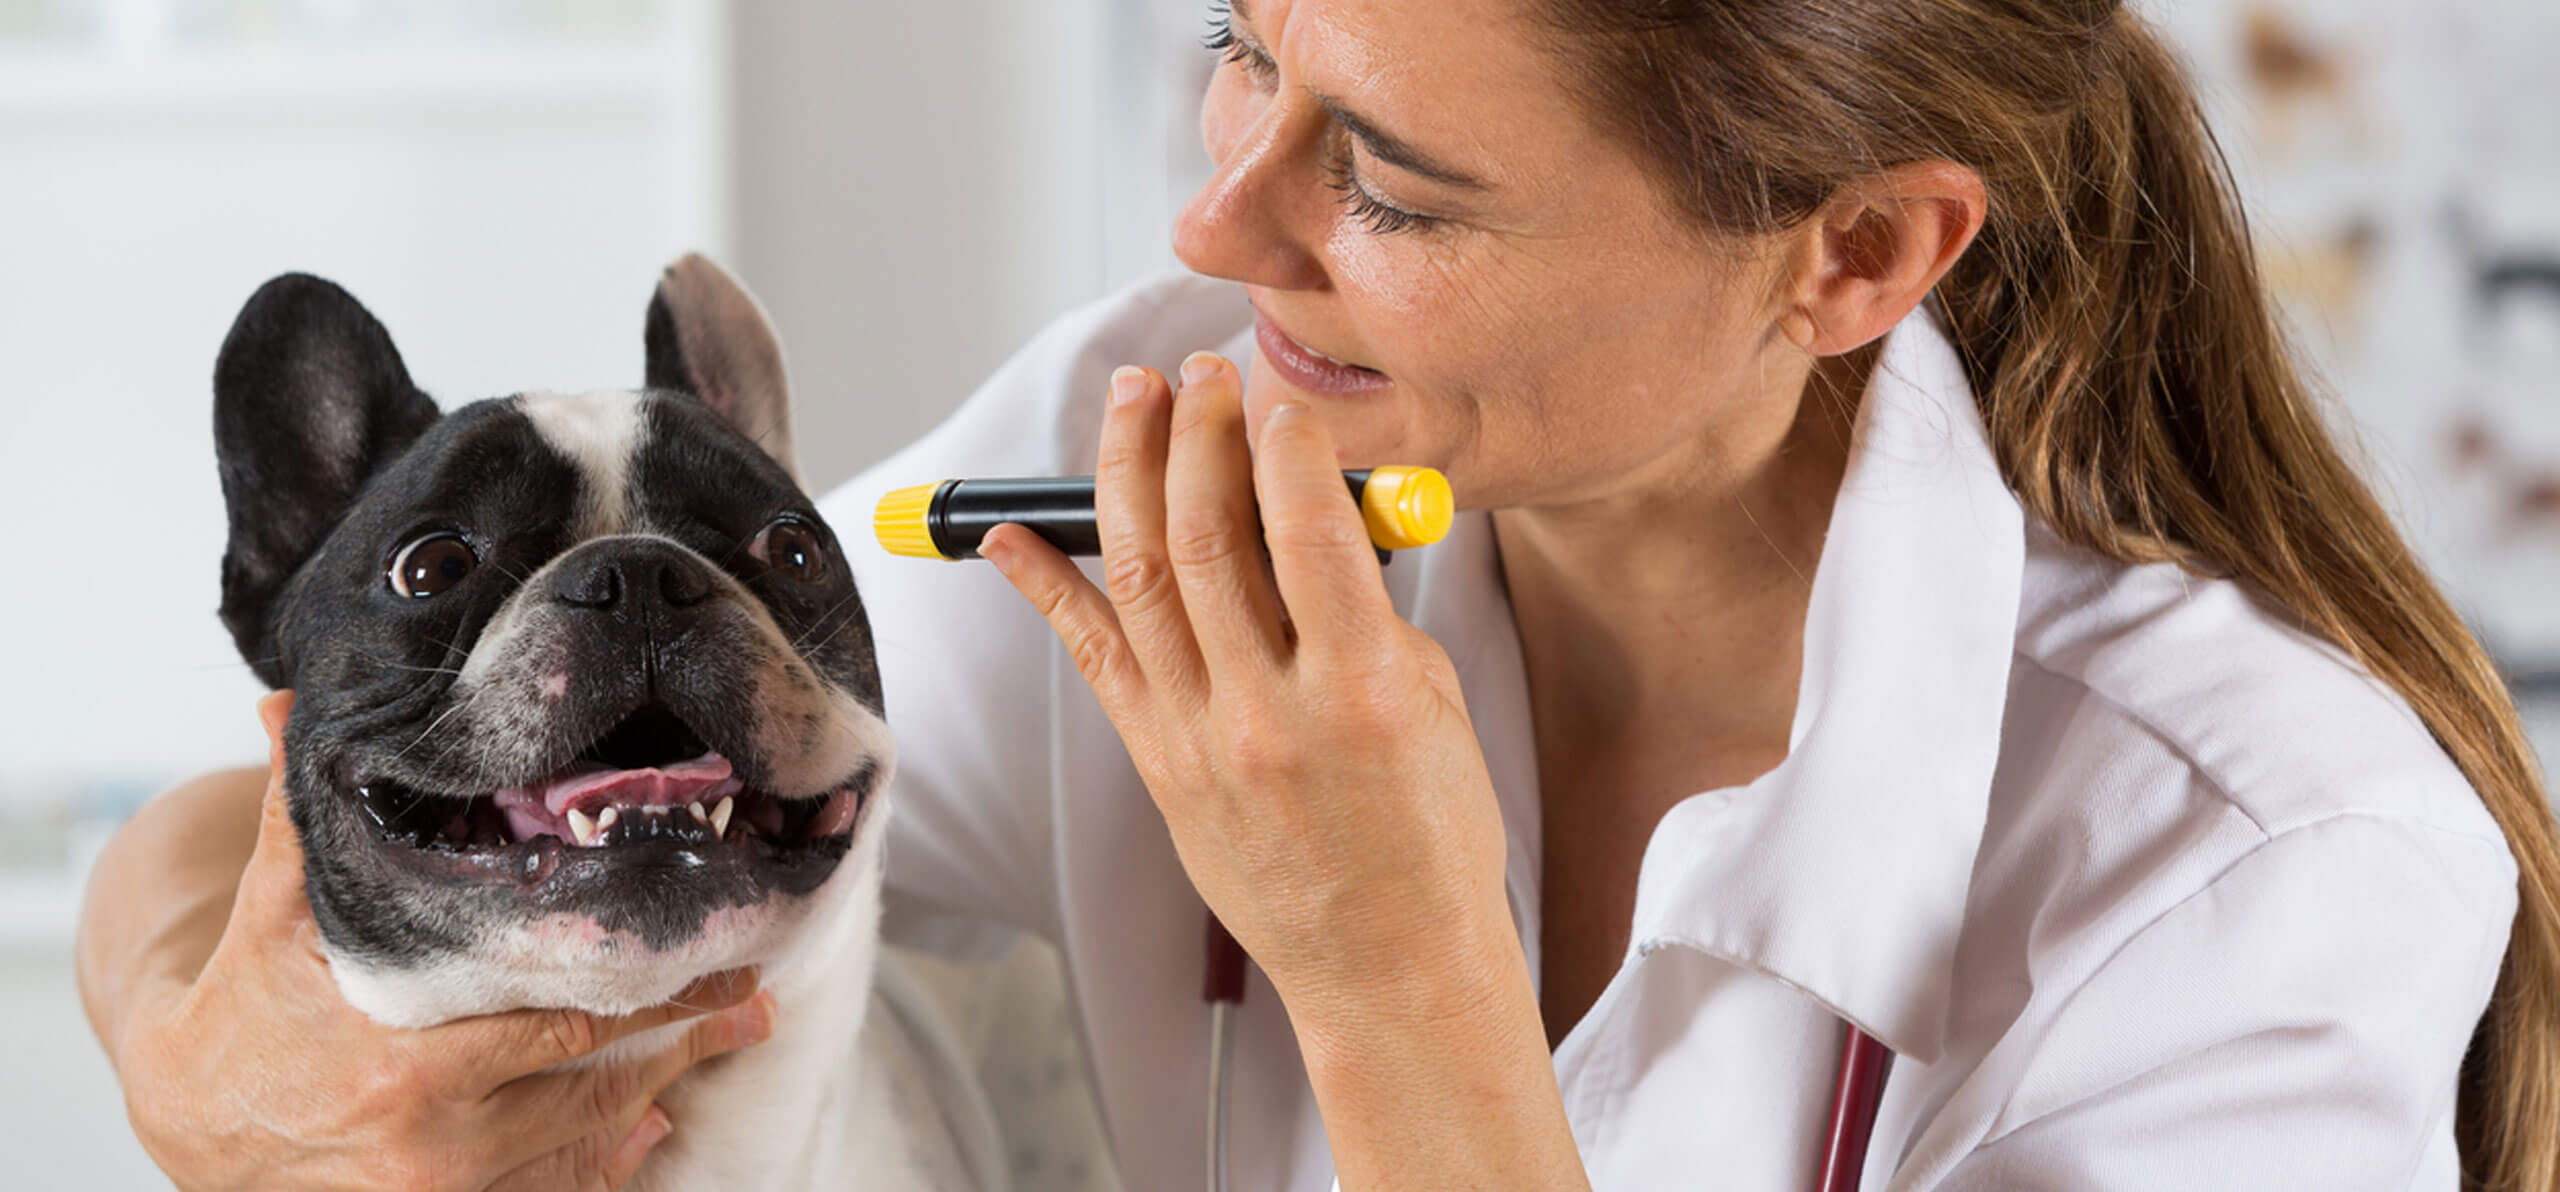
309 399
707 337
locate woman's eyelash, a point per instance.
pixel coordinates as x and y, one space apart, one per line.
1223 39
1381 218
1222 34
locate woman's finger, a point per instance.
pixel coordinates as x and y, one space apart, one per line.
624 1162
272 900
542 1114
1128 514
1320 551
1081 616
601 1159
1213 535
496 1049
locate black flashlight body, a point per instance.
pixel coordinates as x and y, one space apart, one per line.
1057 508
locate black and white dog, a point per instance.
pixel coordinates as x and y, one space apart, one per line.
586 707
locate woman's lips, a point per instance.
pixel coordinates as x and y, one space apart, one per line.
1305 368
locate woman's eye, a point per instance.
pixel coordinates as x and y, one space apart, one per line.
431 565
1381 218
792 548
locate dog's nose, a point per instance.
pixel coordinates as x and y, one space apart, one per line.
640 571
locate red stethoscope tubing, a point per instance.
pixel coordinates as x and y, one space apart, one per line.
1855 1096
1856 1093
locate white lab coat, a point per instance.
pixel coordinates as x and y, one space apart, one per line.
2143 887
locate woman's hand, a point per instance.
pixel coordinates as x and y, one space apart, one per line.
257 1074
1309 749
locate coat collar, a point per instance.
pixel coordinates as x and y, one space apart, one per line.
1844 871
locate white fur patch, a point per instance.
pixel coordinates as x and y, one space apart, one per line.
600 432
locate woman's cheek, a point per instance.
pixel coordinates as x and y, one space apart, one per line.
1417 302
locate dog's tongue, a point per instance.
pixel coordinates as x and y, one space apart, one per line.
537 807
676 782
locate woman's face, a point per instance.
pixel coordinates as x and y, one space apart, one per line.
1406 186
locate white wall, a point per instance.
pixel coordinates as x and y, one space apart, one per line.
922 186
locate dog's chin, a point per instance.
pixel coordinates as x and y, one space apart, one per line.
568 961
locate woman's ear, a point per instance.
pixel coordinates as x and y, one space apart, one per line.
1873 251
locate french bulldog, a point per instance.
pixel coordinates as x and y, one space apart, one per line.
587 708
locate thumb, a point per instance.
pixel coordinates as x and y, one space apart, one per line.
271 890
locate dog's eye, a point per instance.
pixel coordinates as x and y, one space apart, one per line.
430 565
792 548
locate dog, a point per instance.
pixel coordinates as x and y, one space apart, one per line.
586 709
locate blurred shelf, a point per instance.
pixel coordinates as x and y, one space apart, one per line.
311 83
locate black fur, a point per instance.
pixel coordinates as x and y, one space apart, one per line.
309 399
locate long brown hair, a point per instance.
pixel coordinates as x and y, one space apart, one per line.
2140 393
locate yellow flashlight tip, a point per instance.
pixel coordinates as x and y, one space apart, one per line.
899 522
1407 507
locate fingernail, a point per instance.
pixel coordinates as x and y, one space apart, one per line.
654 1127
999 553
1198 367
1128 384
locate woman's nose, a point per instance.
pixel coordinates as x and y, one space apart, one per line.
1247 222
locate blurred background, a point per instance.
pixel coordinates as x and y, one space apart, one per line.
912 189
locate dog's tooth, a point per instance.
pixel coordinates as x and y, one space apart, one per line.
606 817
699 815
720 816
581 829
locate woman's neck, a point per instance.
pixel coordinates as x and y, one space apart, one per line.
1674 610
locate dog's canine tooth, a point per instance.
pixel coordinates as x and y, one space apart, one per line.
699 815
605 819
581 829
720 816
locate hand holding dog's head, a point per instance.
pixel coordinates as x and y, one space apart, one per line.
587 704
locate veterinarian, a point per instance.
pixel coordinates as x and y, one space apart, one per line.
1904 592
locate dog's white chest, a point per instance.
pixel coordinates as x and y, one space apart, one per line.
863 1117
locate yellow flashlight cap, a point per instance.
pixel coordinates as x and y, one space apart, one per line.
1407 507
899 519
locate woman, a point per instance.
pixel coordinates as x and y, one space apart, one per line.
2068 717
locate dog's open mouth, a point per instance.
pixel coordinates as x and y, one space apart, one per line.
649 778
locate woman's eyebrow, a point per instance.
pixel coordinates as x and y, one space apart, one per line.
1395 150
1390 148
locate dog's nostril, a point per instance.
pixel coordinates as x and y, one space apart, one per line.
681 583
596 585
